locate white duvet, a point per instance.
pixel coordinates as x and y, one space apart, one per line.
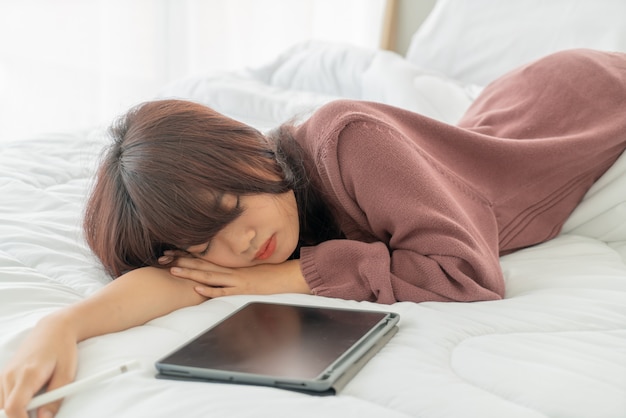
554 347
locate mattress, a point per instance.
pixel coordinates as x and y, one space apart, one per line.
555 346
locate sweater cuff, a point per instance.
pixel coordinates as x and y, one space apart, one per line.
309 269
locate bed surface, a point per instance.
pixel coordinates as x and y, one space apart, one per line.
554 347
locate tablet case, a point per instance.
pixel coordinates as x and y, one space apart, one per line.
390 329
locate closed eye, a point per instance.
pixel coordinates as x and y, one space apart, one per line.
206 250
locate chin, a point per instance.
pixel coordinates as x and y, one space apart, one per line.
279 258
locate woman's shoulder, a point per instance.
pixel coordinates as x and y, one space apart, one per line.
326 122
343 111
324 128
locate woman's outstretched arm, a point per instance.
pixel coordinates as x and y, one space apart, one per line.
49 354
130 300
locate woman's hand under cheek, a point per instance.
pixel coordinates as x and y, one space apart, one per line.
262 279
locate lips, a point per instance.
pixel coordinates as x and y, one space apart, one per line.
267 249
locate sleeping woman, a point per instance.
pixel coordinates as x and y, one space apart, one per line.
362 201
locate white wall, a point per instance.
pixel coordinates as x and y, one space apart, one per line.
70 64
411 13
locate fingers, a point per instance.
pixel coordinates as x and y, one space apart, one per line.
217 280
18 386
18 390
170 256
209 278
214 283
61 377
215 292
44 412
181 259
201 271
199 264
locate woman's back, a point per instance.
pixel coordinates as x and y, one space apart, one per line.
505 178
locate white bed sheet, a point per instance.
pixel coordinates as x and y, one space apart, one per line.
554 347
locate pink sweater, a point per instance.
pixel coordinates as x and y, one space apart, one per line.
427 208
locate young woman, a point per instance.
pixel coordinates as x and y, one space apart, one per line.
362 201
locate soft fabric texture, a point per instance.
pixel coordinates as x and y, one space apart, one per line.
427 208
553 347
477 41
313 73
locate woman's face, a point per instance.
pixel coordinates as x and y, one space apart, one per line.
266 232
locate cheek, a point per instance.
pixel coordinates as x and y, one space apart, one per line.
220 253
223 258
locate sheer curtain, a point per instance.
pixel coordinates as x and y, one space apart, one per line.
72 64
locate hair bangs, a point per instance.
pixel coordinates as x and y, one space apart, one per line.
162 182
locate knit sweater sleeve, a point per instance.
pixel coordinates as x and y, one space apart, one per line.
414 232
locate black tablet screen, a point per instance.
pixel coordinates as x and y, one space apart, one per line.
277 340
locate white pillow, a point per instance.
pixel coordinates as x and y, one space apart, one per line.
476 41
602 212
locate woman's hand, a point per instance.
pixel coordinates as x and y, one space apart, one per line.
47 356
262 279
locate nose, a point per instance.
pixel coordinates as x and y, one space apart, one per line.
241 241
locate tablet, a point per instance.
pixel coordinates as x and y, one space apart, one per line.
306 348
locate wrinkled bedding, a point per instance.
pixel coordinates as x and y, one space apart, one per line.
285 89
554 347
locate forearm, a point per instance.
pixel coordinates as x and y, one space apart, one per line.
369 271
132 299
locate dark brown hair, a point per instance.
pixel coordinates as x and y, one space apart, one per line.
160 182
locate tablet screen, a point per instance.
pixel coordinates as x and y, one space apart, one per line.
277 340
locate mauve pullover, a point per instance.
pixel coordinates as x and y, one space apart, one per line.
427 208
